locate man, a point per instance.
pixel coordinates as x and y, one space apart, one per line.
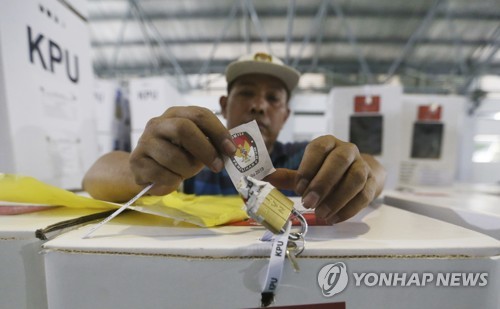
331 175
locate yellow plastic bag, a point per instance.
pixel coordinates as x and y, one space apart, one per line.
24 189
203 210
207 211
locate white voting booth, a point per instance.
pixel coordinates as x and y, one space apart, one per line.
385 258
207 101
150 97
106 94
47 127
370 117
307 120
430 143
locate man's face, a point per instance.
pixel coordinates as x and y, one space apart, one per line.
260 97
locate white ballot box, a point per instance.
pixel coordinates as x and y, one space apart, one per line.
22 283
46 103
465 207
383 258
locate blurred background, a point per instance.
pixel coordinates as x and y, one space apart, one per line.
432 69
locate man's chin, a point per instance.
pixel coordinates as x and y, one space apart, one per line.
269 143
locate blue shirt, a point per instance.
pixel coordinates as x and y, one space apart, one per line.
206 182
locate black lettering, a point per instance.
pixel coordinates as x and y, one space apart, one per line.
272 284
279 251
147 94
34 47
74 78
55 54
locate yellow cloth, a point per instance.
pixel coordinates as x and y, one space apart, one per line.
204 211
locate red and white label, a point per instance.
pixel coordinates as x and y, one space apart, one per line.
429 112
367 104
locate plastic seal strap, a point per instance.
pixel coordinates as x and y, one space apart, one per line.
275 267
118 211
297 237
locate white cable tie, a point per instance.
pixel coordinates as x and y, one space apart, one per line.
275 267
118 211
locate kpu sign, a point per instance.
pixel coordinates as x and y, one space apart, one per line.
50 54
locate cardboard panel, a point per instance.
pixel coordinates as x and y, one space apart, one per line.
155 264
21 264
46 97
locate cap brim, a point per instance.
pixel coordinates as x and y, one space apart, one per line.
289 76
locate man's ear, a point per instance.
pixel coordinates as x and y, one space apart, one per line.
223 105
286 115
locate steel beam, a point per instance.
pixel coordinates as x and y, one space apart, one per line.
429 17
297 40
315 24
353 41
306 12
229 19
257 24
289 29
185 84
155 59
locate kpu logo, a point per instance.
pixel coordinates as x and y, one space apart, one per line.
147 94
333 279
246 155
39 45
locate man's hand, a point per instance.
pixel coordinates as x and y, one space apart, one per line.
173 147
333 178
176 145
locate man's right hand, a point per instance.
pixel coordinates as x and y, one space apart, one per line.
176 145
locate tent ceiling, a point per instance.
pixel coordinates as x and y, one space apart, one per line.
428 45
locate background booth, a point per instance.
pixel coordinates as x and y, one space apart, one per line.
150 97
430 142
369 117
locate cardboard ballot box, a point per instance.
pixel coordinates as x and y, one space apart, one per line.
469 208
46 92
382 258
22 275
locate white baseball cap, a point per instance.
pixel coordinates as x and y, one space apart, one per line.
263 63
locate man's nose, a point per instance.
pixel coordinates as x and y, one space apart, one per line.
259 105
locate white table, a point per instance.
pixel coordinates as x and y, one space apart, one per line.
130 264
460 205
